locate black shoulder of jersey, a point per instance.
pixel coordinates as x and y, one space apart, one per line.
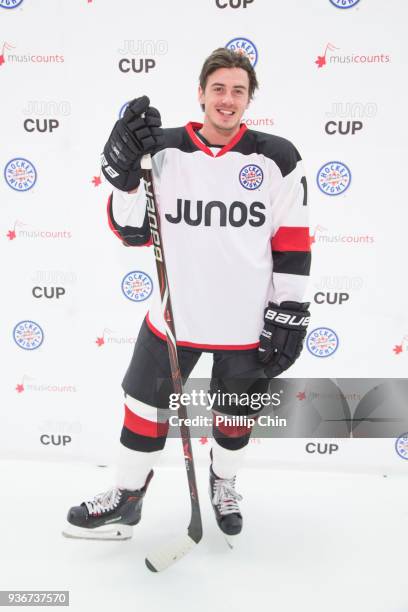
279 149
177 138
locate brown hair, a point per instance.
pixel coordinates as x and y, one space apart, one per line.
225 58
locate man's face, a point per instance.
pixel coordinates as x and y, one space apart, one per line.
225 98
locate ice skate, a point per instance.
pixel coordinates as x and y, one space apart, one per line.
108 516
224 500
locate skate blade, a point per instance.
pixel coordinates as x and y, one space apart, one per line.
106 532
231 540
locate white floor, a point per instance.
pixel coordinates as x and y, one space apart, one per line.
313 542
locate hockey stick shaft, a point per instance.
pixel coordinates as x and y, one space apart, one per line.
195 526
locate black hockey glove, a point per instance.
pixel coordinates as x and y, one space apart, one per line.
132 137
283 335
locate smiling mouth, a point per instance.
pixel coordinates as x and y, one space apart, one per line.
225 113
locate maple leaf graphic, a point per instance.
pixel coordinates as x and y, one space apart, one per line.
397 349
11 234
97 181
301 395
100 341
321 61
2 60
20 388
203 440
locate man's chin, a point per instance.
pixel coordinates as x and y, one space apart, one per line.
222 127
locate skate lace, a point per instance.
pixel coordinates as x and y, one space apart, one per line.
225 496
104 502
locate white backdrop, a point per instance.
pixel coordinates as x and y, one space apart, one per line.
67 67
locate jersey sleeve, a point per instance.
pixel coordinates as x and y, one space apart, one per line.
127 217
290 240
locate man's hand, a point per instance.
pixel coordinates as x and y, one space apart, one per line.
283 335
136 134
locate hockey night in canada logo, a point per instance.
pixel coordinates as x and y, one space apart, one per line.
20 174
322 342
251 177
137 286
344 4
333 178
245 47
401 446
28 335
10 4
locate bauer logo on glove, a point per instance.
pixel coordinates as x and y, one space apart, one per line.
282 338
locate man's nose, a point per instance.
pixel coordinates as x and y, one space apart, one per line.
227 98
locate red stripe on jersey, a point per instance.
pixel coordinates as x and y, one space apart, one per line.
234 141
210 347
190 131
291 239
233 431
143 427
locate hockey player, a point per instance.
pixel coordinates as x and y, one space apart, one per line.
232 204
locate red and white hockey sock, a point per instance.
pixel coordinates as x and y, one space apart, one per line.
142 439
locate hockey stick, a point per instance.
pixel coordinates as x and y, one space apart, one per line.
167 555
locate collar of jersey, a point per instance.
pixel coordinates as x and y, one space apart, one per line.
192 125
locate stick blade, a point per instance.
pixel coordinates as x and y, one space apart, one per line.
165 556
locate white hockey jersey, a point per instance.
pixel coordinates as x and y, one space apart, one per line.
235 234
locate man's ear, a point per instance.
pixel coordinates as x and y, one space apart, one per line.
200 95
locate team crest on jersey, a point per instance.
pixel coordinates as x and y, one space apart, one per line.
333 178
28 335
344 4
251 177
137 286
322 342
401 446
20 174
245 47
10 4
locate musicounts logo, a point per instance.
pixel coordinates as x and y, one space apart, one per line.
256 122
320 235
27 56
27 231
111 337
29 385
330 57
402 347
